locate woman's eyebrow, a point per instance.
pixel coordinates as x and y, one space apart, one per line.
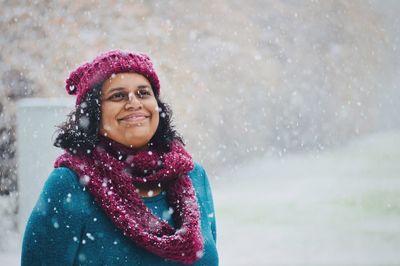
115 89
122 88
144 87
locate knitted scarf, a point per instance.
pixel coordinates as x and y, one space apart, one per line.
110 172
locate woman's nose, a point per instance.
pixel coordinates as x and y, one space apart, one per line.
133 102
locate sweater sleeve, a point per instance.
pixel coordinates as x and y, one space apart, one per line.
211 210
54 228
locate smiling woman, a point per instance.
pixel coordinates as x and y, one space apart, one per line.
125 192
129 111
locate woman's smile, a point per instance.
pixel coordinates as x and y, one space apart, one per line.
134 119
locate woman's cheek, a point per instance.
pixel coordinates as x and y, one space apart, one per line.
107 127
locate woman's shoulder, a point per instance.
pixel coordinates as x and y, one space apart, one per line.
63 180
61 177
199 179
198 173
197 169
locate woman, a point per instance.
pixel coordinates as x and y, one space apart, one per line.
125 192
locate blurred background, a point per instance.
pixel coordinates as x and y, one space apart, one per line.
291 106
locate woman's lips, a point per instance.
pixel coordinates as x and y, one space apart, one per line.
134 118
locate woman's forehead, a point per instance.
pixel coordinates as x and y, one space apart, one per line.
125 80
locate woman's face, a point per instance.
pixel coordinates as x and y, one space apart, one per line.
129 110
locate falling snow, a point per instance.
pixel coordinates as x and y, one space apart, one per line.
294 105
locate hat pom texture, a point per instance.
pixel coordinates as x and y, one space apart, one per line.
90 74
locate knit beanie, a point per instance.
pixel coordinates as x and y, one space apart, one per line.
90 74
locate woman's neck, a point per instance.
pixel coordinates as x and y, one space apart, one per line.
118 150
146 190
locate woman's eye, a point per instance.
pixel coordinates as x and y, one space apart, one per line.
117 96
143 93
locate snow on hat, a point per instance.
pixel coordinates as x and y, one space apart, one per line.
90 74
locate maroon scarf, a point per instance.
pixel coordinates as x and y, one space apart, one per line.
110 173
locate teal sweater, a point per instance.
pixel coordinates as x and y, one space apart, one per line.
67 227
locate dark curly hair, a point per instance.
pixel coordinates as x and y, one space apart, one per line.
80 133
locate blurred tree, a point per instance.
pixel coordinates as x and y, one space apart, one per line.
15 85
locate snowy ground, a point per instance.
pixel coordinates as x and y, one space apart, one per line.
338 208
341 208
9 238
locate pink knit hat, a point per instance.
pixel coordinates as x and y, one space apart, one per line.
90 74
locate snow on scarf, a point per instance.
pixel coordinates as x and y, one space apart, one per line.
110 173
